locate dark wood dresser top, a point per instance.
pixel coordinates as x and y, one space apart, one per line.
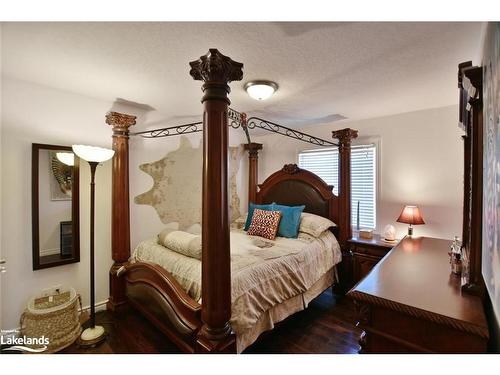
415 278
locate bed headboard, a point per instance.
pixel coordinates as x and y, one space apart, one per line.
293 186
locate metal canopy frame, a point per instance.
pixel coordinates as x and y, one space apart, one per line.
238 120
257 122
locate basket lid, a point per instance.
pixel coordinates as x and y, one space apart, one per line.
47 304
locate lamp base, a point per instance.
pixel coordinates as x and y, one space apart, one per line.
410 231
91 337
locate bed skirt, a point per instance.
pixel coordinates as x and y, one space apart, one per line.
283 310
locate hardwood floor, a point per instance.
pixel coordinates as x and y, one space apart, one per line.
324 327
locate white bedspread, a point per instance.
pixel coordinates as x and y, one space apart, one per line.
264 273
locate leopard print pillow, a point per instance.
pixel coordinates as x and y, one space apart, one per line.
264 224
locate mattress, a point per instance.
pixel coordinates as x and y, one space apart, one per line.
264 273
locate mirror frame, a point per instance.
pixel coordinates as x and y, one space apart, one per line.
35 211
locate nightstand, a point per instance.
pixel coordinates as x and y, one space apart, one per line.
367 253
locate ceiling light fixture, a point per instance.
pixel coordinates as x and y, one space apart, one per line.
261 90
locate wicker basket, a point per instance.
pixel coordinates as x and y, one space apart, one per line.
56 317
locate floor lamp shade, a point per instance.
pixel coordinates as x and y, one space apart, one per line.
92 153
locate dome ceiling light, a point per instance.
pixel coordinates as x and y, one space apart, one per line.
260 90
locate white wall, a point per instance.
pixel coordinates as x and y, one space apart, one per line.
420 162
37 114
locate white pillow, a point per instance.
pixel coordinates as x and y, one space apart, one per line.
181 242
314 224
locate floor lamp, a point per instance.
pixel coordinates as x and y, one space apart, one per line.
93 155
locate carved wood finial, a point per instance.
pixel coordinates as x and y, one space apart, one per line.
345 136
253 148
120 121
214 67
243 118
291 168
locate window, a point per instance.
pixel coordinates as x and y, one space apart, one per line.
325 164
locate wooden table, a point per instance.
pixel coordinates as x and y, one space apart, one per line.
410 302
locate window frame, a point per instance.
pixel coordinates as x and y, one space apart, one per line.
360 142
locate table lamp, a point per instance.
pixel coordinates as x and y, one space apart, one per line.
411 215
93 155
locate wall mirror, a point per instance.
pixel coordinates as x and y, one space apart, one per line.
55 206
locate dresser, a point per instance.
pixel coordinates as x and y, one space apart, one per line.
411 303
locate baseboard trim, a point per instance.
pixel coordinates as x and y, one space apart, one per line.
99 306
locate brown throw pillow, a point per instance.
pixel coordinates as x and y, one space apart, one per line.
264 223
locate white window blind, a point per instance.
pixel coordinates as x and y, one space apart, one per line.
325 164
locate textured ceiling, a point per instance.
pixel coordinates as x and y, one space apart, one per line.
357 70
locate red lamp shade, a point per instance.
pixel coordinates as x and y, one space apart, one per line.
411 215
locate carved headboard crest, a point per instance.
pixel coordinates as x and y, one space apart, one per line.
293 186
291 168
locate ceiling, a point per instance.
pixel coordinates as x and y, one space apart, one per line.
356 70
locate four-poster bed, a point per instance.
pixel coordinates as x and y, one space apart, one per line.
150 288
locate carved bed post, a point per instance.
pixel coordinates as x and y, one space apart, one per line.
253 169
216 71
345 137
120 222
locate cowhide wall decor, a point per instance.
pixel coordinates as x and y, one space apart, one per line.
177 185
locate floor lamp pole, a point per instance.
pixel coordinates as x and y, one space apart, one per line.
93 167
94 334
